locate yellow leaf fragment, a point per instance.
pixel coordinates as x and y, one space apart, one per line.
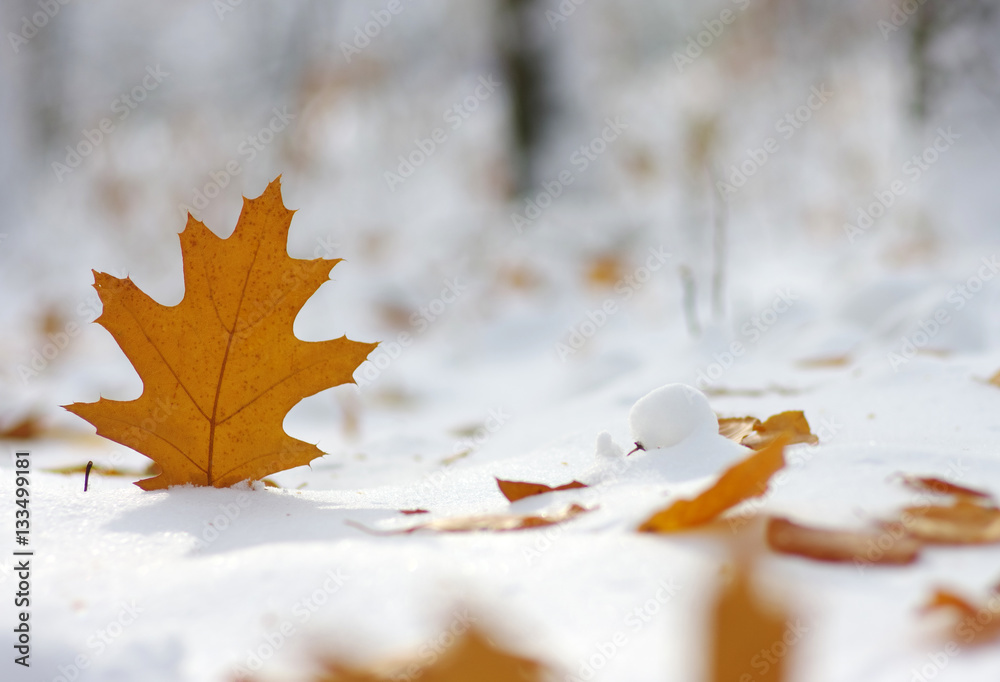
745 479
518 490
787 537
222 368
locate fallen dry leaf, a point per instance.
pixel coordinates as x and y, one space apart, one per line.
96 469
472 658
488 522
974 625
787 537
745 479
939 486
792 423
222 368
750 639
518 490
825 361
995 379
963 523
737 428
26 428
409 512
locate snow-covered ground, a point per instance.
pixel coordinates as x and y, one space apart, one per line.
508 348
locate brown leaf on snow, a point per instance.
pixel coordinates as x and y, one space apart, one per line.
745 479
26 428
518 490
737 428
744 628
963 523
787 537
472 657
97 469
939 486
974 625
486 522
792 423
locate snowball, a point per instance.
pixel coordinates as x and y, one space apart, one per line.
670 415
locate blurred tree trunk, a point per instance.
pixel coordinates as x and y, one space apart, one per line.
525 63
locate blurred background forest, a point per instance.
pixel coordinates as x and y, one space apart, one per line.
533 150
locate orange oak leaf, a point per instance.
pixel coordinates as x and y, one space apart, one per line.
822 544
487 522
518 490
472 657
745 479
222 368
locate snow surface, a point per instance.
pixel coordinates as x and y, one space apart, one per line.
522 373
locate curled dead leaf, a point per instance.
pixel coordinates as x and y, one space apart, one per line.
939 486
518 490
787 537
737 428
962 523
745 479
